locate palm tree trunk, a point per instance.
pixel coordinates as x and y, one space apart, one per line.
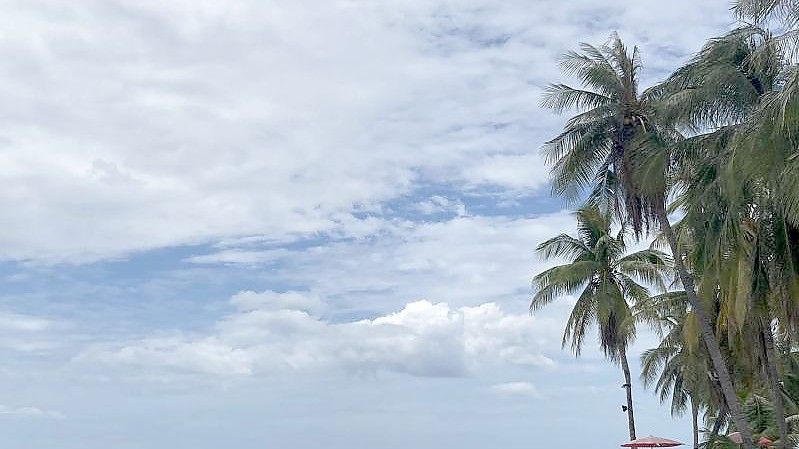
709 337
695 421
771 357
717 425
625 367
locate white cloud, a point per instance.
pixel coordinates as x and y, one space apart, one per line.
466 260
233 256
477 267
283 134
32 412
13 322
525 389
131 125
422 339
270 300
439 204
519 171
26 333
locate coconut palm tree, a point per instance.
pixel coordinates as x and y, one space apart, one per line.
678 368
740 263
607 283
786 10
617 151
732 194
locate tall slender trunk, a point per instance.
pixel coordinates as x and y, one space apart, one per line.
717 425
695 421
625 367
709 337
771 356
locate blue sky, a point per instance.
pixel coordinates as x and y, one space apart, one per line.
297 223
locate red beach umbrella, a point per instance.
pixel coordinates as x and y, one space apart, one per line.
652 441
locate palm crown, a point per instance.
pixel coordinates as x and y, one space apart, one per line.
606 280
595 152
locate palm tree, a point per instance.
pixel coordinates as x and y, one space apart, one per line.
769 139
608 283
730 197
745 253
743 269
786 10
678 368
606 152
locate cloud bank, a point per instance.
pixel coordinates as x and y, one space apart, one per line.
274 333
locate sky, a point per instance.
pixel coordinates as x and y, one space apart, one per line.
299 224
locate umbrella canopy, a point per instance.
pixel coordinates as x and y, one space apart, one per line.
652 441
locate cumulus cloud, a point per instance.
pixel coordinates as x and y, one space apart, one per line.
264 338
